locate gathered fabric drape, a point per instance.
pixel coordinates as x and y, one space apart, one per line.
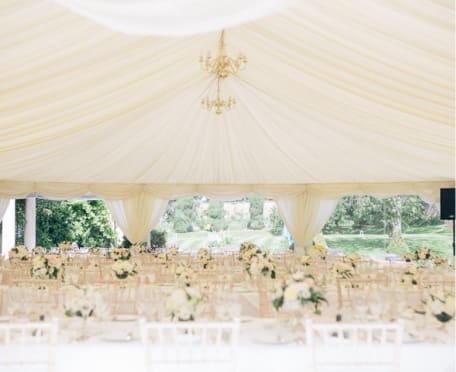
173 17
305 214
305 208
136 216
4 203
336 91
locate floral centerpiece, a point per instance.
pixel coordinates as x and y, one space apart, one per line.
317 250
343 270
65 246
306 260
299 289
184 274
81 303
441 306
38 250
19 253
184 304
96 251
204 257
47 267
421 254
256 262
139 249
409 257
409 276
162 258
122 254
172 252
122 269
353 259
440 261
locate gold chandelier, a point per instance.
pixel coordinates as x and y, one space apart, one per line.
221 66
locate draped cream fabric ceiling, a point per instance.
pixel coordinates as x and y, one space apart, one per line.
355 91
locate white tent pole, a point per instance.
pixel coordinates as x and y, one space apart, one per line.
9 228
30 223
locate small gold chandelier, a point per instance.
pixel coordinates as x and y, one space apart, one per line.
221 66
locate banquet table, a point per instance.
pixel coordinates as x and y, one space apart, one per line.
257 351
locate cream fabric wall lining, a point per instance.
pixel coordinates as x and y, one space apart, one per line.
304 208
4 203
334 92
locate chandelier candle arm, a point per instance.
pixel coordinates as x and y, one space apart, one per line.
221 66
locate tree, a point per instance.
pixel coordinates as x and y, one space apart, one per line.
276 223
256 221
92 224
86 222
184 209
157 239
216 216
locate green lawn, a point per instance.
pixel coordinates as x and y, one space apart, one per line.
191 242
437 238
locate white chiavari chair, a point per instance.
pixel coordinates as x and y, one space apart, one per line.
354 346
28 346
190 346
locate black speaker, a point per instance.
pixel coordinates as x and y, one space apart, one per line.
447 204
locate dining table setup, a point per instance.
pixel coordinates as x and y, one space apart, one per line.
164 310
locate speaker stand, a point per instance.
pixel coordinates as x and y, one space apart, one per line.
454 249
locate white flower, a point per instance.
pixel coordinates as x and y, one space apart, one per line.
436 307
298 276
290 293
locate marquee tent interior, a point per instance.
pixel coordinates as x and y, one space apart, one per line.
103 99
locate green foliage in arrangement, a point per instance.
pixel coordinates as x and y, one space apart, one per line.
256 221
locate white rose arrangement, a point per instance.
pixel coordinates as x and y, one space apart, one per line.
47 267
184 274
299 289
122 269
306 260
343 270
353 259
19 253
96 251
122 254
247 250
256 262
139 249
421 254
440 261
172 252
65 246
440 306
260 264
162 258
409 276
184 304
38 250
317 251
82 303
204 257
